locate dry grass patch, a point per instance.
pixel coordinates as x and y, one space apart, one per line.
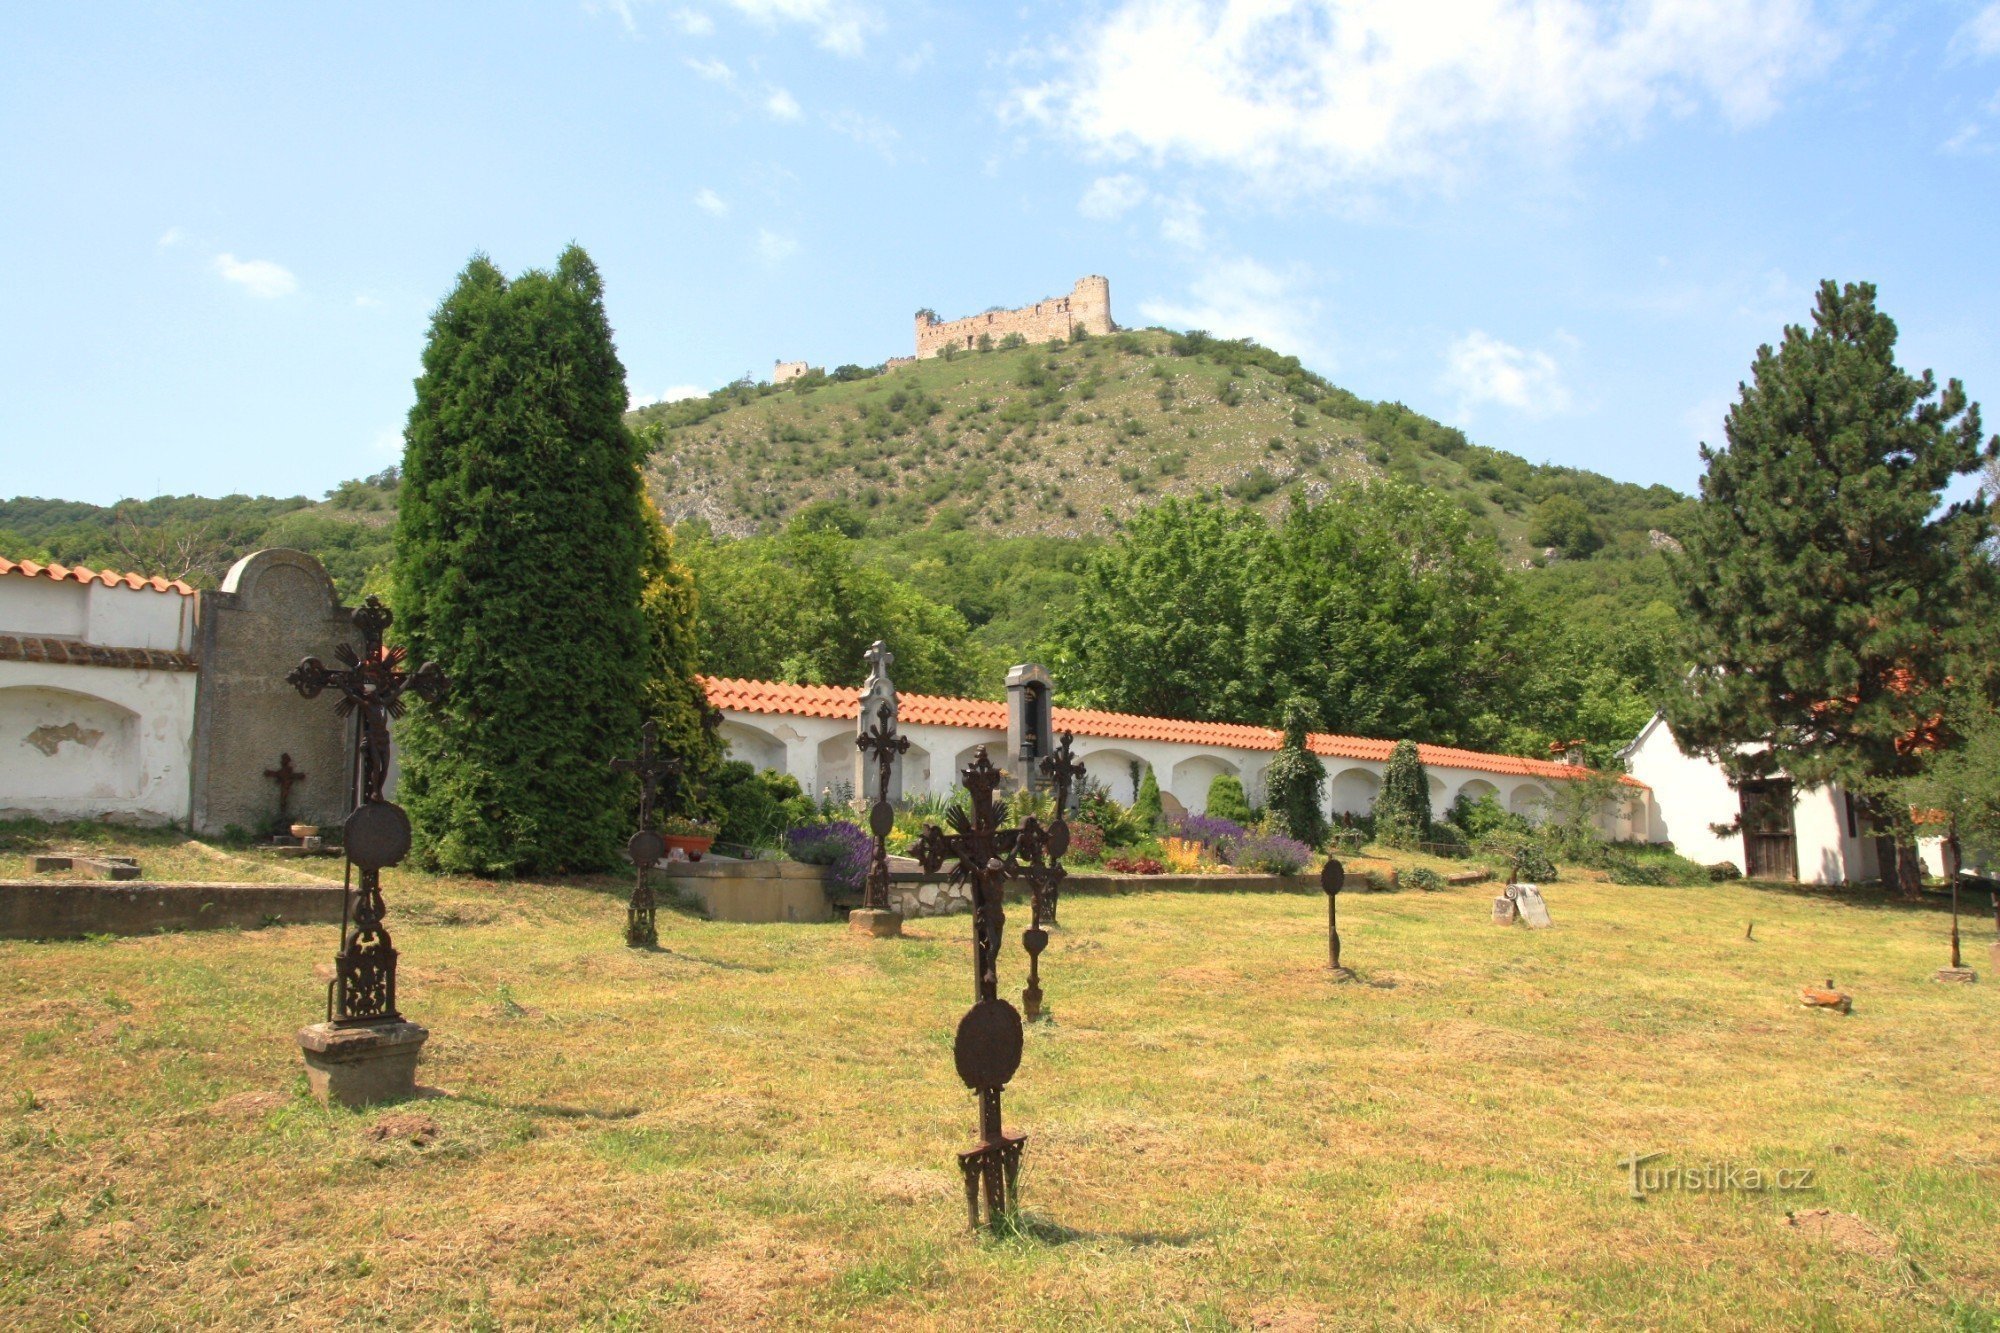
755 1124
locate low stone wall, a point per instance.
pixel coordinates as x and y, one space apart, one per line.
753 891
40 909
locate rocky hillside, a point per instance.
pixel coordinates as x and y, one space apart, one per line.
1061 440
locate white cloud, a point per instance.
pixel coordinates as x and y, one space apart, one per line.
1241 298
171 237
781 105
1304 93
259 277
912 61
1980 37
713 69
1181 224
868 131
1111 197
774 248
840 26
1483 369
672 394
367 302
621 8
711 203
693 22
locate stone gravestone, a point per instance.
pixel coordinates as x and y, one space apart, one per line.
1534 912
879 690
1504 911
274 608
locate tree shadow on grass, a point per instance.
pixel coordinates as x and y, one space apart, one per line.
541 1109
1875 898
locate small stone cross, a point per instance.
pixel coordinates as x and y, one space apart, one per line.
879 660
285 776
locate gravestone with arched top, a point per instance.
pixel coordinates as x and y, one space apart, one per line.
274 608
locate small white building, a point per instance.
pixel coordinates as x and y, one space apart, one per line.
808 731
1818 835
97 694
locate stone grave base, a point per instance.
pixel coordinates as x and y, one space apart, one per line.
1963 975
876 923
364 1065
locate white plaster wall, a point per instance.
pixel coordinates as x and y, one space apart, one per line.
1819 829
43 607
136 767
1689 794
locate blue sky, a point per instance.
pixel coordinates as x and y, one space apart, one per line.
1562 226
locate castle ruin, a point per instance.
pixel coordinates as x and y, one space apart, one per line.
789 370
1087 307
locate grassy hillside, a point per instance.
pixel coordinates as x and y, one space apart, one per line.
1062 440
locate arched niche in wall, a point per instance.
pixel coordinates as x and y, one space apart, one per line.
62 746
1530 800
752 745
1110 768
1353 791
1191 778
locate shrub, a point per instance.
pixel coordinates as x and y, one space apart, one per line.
1135 865
1207 829
1483 816
1272 854
1146 809
1227 801
1403 809
1520 855
1423 877
1086 842
1446 840
1723 871
1645 864
839 845
1182 856
1296 780
757 806
1095 805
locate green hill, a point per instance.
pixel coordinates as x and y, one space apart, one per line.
1061 440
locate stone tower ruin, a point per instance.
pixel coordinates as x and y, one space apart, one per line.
1087 307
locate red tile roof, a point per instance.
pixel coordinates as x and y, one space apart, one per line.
78 574
840 701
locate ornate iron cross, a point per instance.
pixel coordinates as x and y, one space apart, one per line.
646 846
988 1047
371 684
885 745
286 777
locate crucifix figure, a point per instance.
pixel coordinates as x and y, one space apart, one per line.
987 1050
881 743
371 684
646 846
285 776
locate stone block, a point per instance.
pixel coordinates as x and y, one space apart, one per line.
1963 975
879 925
362 1066
1504 911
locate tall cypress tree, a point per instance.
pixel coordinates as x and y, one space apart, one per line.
520 541
1296 780
1828 594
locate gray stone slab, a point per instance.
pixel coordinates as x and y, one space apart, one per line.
41 909
274 608
1534 911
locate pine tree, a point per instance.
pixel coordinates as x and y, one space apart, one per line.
520 541
1227 801
1147 810
1828 595
1403 806
1296 779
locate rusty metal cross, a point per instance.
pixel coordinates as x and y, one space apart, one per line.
885 745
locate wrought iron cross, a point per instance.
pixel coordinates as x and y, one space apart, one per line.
285 776
371 684
886 746
988 1047
646 846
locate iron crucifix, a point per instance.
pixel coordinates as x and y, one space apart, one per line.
646 846
885 746
1039 853
371 684
286 777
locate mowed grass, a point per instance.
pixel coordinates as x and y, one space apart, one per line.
756 1124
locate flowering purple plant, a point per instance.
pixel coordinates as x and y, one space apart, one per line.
1207 830
838 844
1271 854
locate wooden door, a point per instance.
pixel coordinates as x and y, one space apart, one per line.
1770 849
